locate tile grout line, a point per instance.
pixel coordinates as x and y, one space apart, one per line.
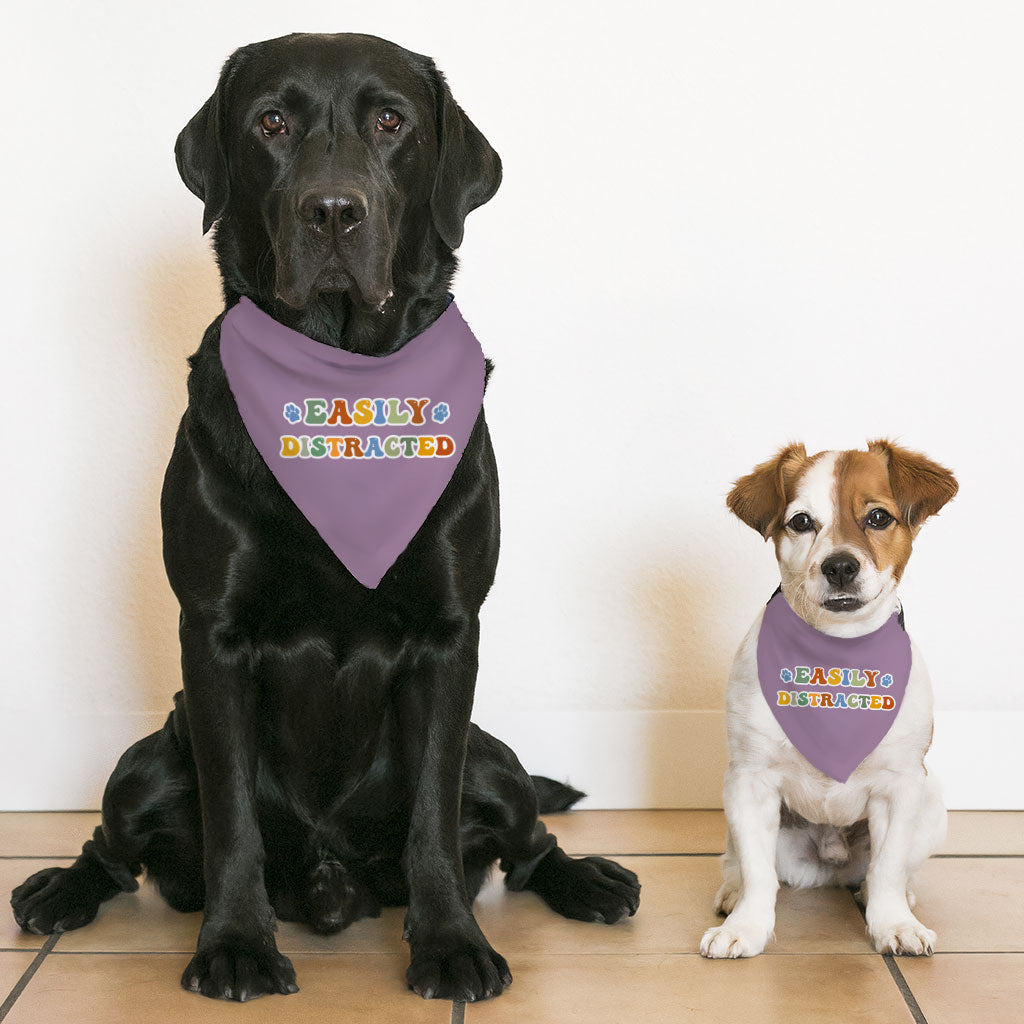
23 981
901 984
895 973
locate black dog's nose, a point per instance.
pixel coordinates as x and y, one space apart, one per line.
333 209
840 569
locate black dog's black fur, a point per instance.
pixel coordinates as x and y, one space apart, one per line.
320 761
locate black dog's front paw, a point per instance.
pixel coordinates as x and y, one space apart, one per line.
56 900
459 966
587 888
239 969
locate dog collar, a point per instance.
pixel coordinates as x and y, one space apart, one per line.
364 446
834 697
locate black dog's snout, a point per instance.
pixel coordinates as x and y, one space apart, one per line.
840 569
341 210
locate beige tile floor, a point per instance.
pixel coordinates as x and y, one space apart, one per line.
125 966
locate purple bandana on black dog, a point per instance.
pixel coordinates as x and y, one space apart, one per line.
363 445
835 697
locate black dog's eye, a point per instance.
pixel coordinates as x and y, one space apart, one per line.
801 523
273 123
389 121
879 519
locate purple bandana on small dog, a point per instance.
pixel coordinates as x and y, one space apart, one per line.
363 445
835 697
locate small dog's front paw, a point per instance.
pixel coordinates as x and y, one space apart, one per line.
726 899
905 938
732 940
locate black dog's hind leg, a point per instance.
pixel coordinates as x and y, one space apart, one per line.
60 899
149 817
499 822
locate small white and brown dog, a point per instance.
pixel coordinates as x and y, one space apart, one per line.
842 524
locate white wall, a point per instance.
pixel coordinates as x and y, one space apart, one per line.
723 226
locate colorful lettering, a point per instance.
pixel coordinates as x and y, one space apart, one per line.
363 413
373 448
334 412
817 675
396 418
316 411
417 405
339 414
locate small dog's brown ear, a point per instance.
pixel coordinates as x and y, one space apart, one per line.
921 487
759 498
468 169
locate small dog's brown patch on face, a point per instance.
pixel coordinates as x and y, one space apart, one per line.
862 485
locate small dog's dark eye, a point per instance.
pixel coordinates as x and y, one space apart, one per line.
801 523
879 519
273 123
389 121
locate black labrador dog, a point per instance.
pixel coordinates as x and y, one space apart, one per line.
320 761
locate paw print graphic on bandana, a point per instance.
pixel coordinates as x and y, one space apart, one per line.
786 676
441 412
292 413
886 680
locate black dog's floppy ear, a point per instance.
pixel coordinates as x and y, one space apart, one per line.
200 154
468 169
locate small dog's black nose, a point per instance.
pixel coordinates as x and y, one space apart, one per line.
333 209
840 569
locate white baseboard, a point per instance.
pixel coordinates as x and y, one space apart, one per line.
60 761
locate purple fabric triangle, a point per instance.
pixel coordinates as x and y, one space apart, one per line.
835 697
363 445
